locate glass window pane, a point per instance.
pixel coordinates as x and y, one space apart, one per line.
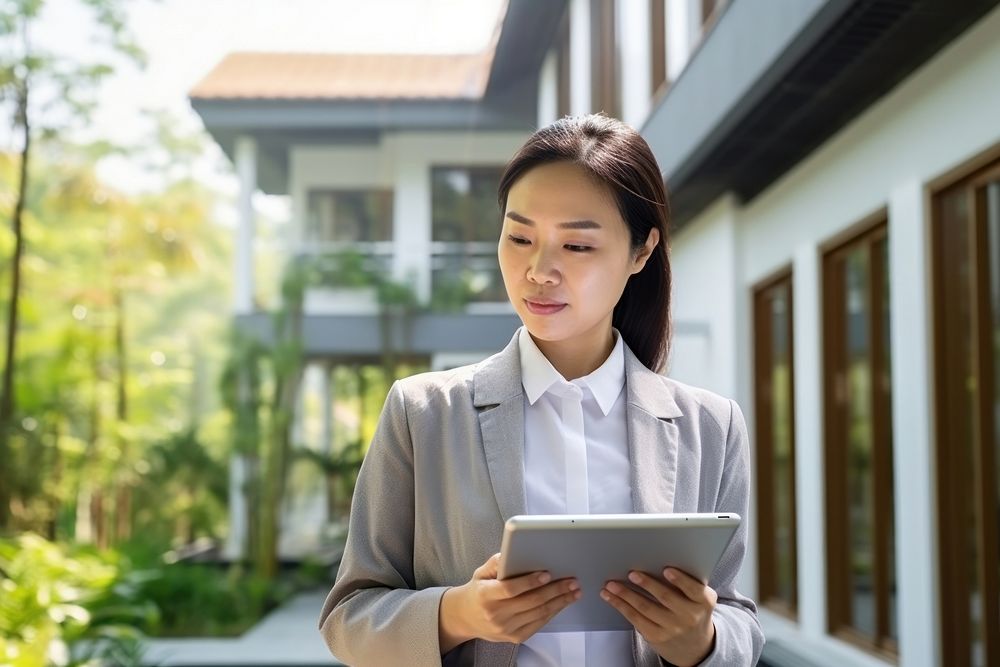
464 204
860 437
464 212
782 465
349 216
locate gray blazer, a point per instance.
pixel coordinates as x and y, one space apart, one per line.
445 471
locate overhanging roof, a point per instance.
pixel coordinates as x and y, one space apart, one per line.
287 99
526 34
775 79
346 76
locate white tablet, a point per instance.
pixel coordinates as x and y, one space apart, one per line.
596 548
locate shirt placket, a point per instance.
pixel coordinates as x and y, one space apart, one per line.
575 451
573 646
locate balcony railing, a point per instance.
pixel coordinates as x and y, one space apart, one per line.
465 276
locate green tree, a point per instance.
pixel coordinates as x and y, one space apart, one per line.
36 86
94 252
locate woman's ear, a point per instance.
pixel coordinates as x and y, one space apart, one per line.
645 251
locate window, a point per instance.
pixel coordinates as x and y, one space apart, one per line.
966 268
465 228
347 216
775 437
604 58
858 422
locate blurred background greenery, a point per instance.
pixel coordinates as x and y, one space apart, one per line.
119 408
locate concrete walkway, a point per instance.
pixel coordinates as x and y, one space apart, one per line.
287 636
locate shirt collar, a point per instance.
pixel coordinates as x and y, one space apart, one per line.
538 375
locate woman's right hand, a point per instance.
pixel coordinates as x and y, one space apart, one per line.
511 610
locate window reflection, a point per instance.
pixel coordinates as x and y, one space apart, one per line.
776 445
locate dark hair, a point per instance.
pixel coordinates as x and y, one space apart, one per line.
619 157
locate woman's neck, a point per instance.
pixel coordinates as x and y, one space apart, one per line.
579 356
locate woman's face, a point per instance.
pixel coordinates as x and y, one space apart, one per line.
565 253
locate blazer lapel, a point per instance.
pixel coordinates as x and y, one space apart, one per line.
499 397
652 437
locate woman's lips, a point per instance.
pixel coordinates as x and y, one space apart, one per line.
544 307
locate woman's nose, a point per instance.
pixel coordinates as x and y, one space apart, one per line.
542 269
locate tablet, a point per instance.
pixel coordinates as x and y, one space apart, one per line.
596 548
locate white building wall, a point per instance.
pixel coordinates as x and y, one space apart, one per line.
703 266
579 57
243 254
548 90
942 116
633 38
683 27
912 396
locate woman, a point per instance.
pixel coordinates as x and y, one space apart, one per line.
570 417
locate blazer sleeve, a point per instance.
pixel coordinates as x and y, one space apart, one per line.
374 615
739 638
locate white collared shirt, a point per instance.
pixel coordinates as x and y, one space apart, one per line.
575 462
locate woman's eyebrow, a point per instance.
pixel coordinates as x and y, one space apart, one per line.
571 224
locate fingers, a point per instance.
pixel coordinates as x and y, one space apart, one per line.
693 589
558 598
621 598
672 611
517 618
650 609
529 622
666 594
515 586
545 595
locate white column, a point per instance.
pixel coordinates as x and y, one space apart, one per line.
243 277
810 479
412 223
300 433
681 15
918 602
236 539
579 58
633 36
326 393
547 90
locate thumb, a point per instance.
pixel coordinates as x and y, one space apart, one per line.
489 569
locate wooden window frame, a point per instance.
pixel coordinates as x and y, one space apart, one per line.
604 79
837 521
563 71
764 429
954 570
658 46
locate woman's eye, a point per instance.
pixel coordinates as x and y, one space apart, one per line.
517 240
578 248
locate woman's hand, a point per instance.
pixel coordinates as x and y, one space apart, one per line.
677 622
511 610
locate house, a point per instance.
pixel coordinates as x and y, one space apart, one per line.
834 168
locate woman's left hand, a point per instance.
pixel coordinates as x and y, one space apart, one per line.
677 622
